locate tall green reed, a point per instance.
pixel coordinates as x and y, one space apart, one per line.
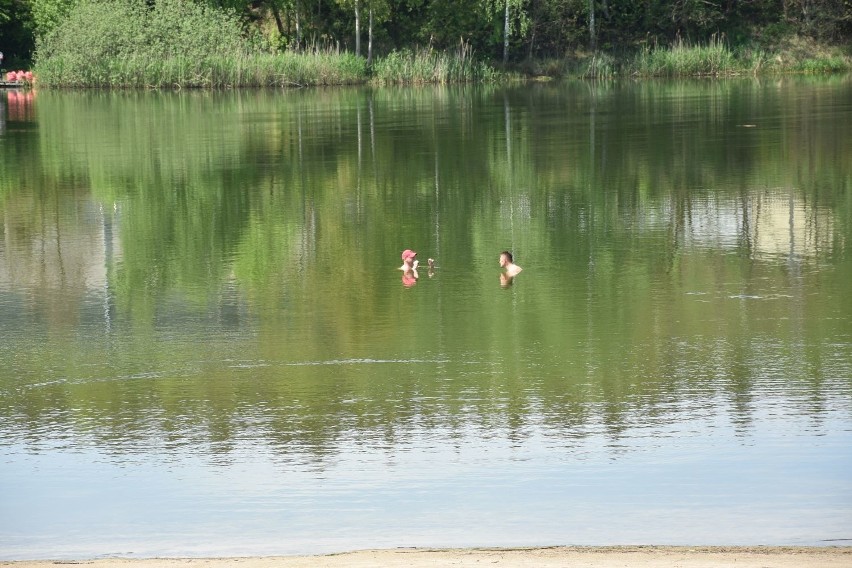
683 59
426 65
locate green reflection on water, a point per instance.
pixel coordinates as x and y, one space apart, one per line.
203 267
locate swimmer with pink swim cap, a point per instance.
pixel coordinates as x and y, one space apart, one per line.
409 267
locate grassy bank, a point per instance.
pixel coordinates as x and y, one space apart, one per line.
218 71
317 68
179 44
264 70
423 66
410 68
714 58
288 69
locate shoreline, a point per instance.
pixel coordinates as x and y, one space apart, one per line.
648 556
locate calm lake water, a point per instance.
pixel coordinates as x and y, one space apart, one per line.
208 348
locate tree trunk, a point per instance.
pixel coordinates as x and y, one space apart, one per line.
298 30
281 31
506 35
535 20
357 27
370 38
592 39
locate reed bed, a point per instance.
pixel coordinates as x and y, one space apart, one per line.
288 69
716 58
412 67
219 71
599 66
682 59
825 64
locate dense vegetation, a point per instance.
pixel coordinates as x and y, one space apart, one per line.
234 42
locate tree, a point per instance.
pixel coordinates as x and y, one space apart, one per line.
354 5
513 17
47 14
593 43
370 38
379 11
17 39
292 11
5 11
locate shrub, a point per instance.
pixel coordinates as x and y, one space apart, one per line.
101 41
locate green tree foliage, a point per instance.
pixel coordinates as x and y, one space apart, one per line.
6 8
104 28
16 32
511 20
98 36
825 19
443 23
47 14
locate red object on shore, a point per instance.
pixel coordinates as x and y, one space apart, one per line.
18 76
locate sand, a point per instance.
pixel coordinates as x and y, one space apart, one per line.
585 557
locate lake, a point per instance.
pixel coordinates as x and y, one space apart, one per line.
208 347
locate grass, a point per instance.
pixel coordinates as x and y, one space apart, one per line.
833 64
422 66
715 58
327 66
243 70
682 59
599 66
320 67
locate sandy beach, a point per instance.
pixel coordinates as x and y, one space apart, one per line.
586 557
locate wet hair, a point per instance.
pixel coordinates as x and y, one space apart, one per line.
508 255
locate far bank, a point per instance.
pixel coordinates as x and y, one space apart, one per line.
175 45
330 68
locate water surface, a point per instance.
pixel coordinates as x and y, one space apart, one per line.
207 348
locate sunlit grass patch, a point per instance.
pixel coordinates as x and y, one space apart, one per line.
426 65
683 59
